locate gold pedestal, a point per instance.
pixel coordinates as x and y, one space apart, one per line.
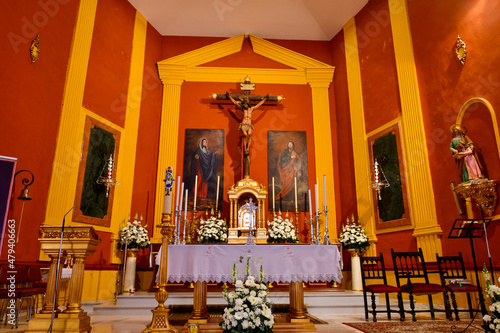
160 323
65 322
79 242
483 192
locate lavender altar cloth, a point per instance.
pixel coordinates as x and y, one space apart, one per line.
280 263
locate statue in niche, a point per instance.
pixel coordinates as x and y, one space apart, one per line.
462 148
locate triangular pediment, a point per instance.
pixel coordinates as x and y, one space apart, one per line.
191 66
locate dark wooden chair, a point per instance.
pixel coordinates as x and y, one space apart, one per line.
373 268
452 273
411 277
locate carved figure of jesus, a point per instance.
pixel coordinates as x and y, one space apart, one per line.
246 126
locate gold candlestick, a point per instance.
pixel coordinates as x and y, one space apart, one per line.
297 224
160 323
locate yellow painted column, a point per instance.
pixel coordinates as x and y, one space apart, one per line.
61 194
319 81
427 230
128 143
364 195
172 77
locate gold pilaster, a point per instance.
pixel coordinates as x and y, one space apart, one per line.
68 147
427 230
361 155
167 149
319 80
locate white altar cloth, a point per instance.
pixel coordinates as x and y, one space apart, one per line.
280 263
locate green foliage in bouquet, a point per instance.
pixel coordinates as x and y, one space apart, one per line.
281 230
248 307
134 235
353 236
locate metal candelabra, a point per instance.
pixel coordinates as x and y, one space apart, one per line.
317 229
326 239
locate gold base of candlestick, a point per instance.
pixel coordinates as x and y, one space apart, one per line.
160 323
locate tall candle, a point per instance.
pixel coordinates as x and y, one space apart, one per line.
185 207
169 179
178 186
217 195
195 191
316 197
324 188
273 197
180 199
310 203
295 179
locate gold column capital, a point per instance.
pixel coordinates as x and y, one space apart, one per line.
172 73
319 77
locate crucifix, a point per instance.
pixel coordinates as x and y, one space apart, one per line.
244 102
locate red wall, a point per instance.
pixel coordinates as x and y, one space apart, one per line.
377 65
342 142
143 196
445 85
109 64
31 97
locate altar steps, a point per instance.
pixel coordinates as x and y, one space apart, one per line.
318 302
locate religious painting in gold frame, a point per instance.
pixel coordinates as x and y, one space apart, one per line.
287 160
92 205
204 157
393 209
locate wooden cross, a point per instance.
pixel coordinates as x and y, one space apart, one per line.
244 102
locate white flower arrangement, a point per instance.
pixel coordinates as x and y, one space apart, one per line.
134 235
492 322
353 236
213 230
248 307
281 230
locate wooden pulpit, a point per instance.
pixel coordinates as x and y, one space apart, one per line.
79 242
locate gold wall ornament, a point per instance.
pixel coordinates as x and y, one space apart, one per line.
35 49
461 50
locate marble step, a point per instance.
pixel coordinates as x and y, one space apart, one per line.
317 302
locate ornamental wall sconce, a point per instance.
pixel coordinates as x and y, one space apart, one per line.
108 180
35 49
461 50
378 180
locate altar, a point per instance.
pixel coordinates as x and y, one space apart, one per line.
292 264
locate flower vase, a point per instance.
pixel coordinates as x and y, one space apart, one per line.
357 283
129 283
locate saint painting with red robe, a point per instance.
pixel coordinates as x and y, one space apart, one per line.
289 167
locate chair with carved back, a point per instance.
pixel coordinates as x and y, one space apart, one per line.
373 268
412 278
454 278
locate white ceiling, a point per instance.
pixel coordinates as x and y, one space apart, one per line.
271 19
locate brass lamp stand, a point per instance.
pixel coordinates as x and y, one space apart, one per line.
160 323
